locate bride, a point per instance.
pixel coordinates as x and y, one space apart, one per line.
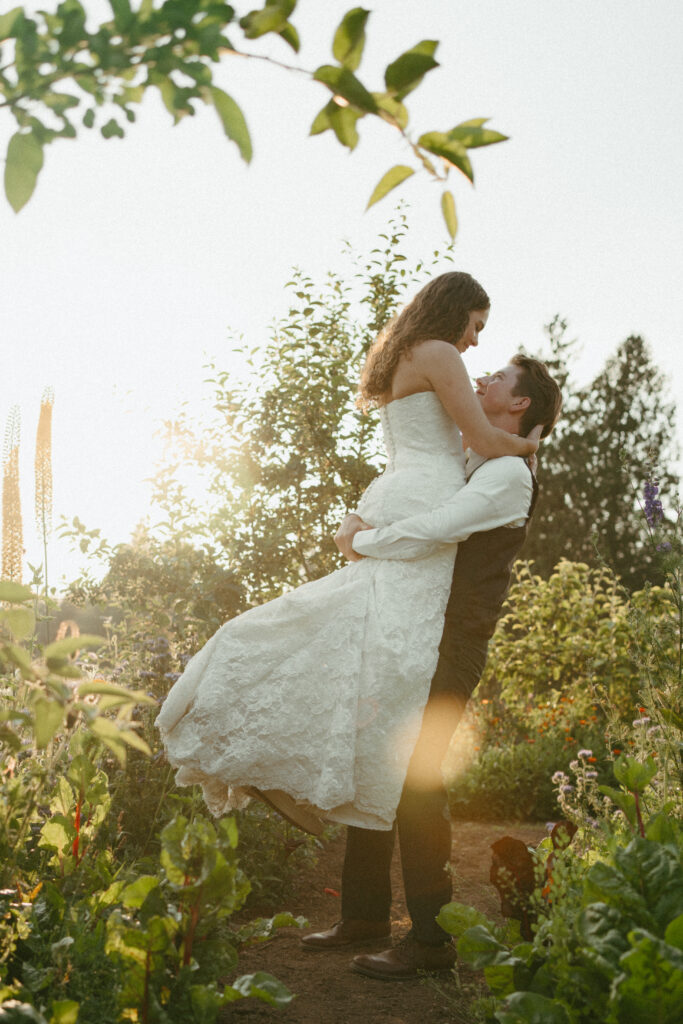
313 701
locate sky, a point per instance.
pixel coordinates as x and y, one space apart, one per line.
137 261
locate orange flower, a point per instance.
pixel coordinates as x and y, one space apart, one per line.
592 759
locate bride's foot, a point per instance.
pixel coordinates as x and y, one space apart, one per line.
284 804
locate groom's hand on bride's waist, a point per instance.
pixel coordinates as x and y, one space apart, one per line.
343 538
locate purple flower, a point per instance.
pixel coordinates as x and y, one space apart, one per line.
585 753
566 789
664 547
641 721
558 777
652 505
591 775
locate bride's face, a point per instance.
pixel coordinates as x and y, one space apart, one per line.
470 336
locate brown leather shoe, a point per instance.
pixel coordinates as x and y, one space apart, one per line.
347 933
409 959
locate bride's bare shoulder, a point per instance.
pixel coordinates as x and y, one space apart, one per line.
428 352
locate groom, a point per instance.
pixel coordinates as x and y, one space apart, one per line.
496 503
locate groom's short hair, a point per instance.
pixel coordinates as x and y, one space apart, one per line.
534 382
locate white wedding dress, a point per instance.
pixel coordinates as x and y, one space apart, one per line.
321 692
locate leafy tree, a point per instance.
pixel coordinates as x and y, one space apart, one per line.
288 452
614 435
59 69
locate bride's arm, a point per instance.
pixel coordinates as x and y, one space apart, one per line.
441 365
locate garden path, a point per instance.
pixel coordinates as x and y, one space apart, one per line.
327 991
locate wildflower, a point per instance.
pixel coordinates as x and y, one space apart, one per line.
652 505
172 676
664 546
592 759
585 753
573 765
566 789
616 750
591 775
641 721
558 777
653 730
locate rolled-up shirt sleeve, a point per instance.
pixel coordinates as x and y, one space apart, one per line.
499 494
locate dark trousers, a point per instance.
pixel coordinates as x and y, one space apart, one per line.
422 824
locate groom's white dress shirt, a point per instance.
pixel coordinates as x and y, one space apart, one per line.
497 494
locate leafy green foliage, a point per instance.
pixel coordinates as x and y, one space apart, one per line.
80 922
608 940
171 48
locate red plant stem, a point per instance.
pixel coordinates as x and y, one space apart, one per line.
77 826
189 938
641 827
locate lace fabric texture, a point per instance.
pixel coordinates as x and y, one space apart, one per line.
320 692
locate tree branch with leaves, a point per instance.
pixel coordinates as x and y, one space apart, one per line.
54 70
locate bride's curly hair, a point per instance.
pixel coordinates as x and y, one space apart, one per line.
440 311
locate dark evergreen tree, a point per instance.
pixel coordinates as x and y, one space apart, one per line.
614 435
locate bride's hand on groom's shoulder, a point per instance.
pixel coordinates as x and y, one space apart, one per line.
348 529
534 435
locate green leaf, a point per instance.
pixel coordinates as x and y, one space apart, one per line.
674 932
456 918
14 593
20 621
349 39
232 119
632 774
321 122
389 181
449 214
7 22
473 135
479 948
130 737
64 1011
257 23
48 716
135 894
624 801
23 165
449 149
19 657
123 16
391 109
72 644
343 123
531 1008
343 83
112 129
114 690
89 118
291 37
263 986
407 71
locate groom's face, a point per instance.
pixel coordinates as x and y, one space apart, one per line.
495 391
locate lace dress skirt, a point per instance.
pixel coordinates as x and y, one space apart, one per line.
321 692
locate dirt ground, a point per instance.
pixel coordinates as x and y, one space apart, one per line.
327 992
